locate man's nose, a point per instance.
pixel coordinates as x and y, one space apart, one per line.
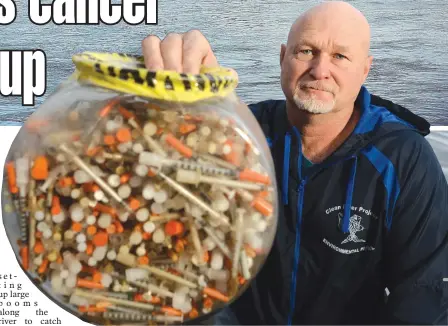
320 67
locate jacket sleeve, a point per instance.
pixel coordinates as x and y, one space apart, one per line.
416 246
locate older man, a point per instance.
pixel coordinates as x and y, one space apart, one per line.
364 202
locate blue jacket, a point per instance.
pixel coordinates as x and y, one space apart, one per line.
372 216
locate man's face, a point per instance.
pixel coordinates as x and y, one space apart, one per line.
323 65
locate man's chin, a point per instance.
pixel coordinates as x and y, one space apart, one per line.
313 106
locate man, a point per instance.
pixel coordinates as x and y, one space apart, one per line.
364 201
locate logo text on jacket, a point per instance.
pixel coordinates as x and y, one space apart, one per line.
357 224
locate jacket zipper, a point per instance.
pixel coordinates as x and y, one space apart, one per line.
301 192
300 202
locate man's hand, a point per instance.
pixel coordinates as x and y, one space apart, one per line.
184 53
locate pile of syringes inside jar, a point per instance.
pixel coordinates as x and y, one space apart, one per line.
152 215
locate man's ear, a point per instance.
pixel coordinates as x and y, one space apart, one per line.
282 53
367 66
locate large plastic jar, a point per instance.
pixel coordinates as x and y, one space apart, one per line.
135 196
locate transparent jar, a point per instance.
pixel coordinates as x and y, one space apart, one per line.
131 195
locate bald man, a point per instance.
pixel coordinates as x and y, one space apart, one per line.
364 202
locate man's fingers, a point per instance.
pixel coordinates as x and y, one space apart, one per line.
196 52
151 53
233 73
178 52
210 60
171 48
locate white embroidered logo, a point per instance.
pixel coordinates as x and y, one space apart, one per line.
354 227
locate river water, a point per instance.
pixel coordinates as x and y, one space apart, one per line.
409 46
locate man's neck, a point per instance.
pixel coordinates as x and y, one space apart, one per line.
322 134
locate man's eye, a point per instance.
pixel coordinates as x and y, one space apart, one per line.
340 56
306 51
